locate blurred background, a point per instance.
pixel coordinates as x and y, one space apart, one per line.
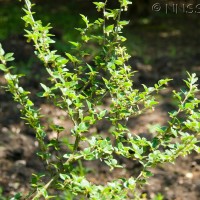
163 39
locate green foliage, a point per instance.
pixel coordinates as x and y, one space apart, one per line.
80 92
158 197
1 195
8 15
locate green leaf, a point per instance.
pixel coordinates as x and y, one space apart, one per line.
109 29
123 23
83 127
72 58
57 128
147 173
155 142
189 106
3 68
18 196
85 183
99 5
85 19
76 44
102 113
2 52
47 89
29 103
63 176
8 57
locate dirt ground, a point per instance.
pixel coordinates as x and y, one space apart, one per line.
179 181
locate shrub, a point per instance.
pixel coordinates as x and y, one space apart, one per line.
80 91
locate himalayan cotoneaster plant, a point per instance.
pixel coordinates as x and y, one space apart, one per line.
80 87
